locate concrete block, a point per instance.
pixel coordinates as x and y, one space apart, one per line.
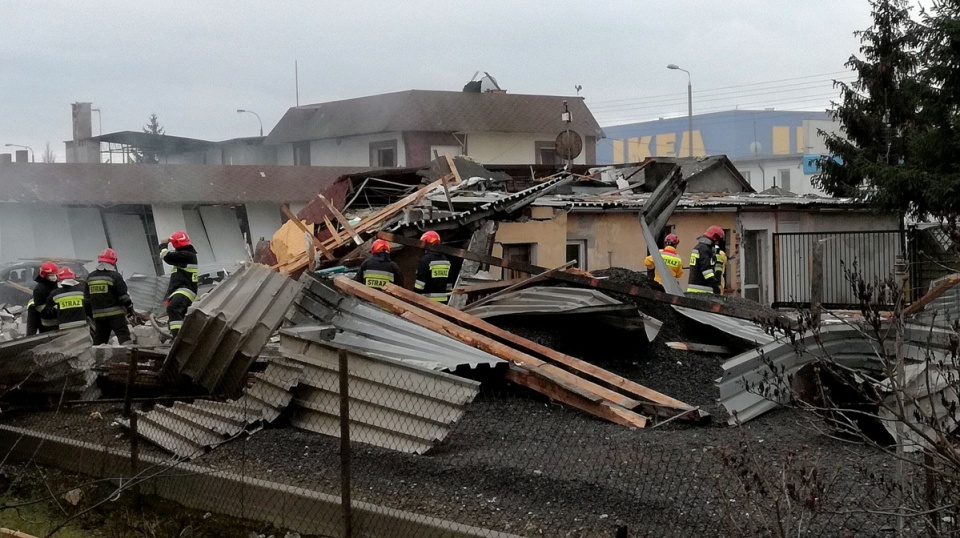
146 335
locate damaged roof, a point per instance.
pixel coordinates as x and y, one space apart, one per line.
102 184
743 200
434 111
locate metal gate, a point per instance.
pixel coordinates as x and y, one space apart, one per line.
872 253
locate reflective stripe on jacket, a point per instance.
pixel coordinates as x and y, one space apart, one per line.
671 258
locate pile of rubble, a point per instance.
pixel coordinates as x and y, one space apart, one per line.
633 355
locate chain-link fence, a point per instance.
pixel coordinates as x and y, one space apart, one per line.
432 454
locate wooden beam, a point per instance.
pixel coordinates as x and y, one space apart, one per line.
303 227
703 348
334 233
344 221
922 302
535 366
558 392
704 305
487 286
667 405
453 167
520 285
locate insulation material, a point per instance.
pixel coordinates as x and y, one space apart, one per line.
16 232
223 232
198 235
86 228
289 242
167 218
128 237
50 239
263 220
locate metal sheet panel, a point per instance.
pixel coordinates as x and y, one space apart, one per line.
264 220
190 429
129 238
843 343
543 299
148 293
16 232
370 330
198 235
50 225
751 332
89 237
393 404
223 231
225 330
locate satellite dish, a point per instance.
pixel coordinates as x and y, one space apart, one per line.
569 144
755 148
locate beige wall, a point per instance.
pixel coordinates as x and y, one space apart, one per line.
612 239
509 148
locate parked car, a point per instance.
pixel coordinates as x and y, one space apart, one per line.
17 277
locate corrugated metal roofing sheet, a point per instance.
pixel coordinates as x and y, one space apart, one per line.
392 404
372 331
740 328
843 343
635 202
546 299
225 330
189 430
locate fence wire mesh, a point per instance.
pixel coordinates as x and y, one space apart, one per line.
431 454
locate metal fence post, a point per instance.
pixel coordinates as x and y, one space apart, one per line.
345 445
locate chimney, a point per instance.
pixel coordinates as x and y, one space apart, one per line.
5 158
82 121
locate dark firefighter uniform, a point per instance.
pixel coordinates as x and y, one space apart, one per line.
433 273
184 283
69 305
109 302
39 319
703 278
378 271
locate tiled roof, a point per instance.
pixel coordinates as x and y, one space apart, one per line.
433 111
89 184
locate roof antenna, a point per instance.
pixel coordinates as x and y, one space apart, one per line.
296 78
578 88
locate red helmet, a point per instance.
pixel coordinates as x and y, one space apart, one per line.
671 240
47 269
380 246
180 239
714 233
65 273
431 237
108 256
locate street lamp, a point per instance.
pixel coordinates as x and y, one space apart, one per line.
689 105
240 110
24 147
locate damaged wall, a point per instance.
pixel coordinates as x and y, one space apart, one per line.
547 234
511 148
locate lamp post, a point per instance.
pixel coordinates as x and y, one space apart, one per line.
689 105
24 147
240 110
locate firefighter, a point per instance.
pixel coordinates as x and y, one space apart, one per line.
39 319
106 293
67 301
379 270
703 262
720 268
670 257
184 278
433 271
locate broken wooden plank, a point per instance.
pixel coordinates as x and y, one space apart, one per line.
344 221
453 167
932 295
481 242
703 348
695 303
667 406
535 366
334 233
483 287
303 227
529 281
559 393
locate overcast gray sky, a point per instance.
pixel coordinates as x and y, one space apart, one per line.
195 63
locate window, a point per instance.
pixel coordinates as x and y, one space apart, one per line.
301 153
546 153
784 178
520 252
577 250
383 154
